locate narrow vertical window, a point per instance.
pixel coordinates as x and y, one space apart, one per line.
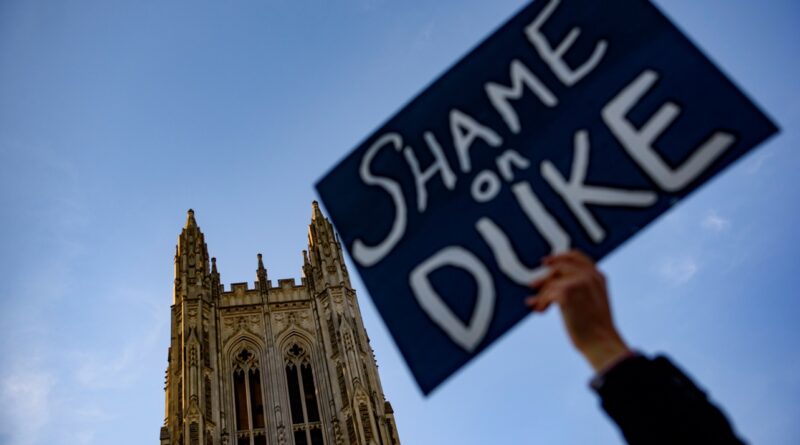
207 396
366 375
303 398
332 335
351 429
248 400
180 398
240 391
256 405
310 393
342 383
206 350
294 393
365 421
194 434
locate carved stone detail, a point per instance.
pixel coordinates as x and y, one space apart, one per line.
192 317
281 321
249 323
281 435
348 341
337 432
193 356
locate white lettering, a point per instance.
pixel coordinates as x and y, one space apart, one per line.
554 57
577 194
370 255
508 159
485 186
504 254
422 177
465 130
521 76
470 335
639 143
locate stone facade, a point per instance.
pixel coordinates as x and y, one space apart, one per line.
276 364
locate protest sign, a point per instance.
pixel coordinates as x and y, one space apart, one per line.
574 125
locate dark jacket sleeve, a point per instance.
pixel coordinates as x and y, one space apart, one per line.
653 402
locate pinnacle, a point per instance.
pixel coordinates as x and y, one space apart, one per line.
261 272
190 221
317 213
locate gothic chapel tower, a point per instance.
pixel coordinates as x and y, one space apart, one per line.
278 364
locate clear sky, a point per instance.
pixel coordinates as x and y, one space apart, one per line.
116 117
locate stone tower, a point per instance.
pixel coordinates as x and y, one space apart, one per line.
278 364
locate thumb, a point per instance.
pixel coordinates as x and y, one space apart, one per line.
539 302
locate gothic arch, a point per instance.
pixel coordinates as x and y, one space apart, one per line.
359 395
246 369
299 336
358 384
244 337
301 375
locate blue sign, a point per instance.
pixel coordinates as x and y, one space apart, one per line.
574 125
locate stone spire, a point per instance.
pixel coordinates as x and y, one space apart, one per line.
324 259
192 272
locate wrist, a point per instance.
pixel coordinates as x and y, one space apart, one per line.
603 353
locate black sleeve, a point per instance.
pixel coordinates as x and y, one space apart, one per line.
653 402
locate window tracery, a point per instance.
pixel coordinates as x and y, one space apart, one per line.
248 399
365 420
306 425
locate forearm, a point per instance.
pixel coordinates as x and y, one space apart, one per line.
653 402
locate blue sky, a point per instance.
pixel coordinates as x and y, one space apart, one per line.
117 117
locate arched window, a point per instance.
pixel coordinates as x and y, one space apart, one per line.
207 396
194 434
365 421
248 401
303 397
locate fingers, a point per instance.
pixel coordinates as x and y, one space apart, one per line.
568 263
549 294
543 305
538 303
573 256
535 284
557 270
566 272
